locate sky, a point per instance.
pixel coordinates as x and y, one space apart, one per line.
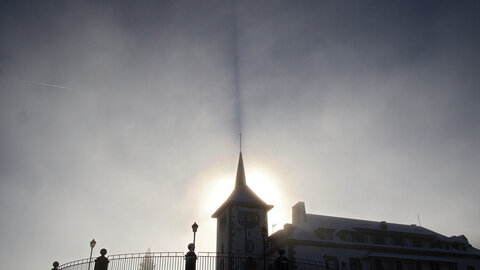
119 120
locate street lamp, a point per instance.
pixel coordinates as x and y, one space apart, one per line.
264 235
92 245
194 229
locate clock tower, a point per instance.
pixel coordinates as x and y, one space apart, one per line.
241 218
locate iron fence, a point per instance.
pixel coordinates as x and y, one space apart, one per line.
176 260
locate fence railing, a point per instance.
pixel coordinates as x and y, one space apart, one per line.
176 260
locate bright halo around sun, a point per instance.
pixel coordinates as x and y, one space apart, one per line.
262 182
218 190
268 187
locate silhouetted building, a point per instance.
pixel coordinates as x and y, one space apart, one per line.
345 243
340 243
310 242
240 219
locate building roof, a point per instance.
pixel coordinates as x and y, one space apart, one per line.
310 232
306 231
408 257
242 195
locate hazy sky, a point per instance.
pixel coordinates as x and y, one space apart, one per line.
119 120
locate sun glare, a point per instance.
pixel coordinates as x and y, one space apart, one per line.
218 191
263 183
267 186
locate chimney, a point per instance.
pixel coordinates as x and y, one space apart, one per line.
299 216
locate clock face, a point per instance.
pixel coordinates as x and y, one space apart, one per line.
248 218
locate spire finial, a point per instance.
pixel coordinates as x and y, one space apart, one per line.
240 180
240 134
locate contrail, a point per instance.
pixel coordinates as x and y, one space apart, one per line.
49 85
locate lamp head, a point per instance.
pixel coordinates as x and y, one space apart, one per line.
194 227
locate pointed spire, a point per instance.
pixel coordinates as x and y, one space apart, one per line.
242 195
240 181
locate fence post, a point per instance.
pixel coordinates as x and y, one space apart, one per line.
55 265
282 262
101 263
250 263
190 258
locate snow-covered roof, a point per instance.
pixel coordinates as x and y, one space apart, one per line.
407 257
310 231
306 231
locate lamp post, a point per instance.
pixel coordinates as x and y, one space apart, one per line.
92 245
194 229
264 235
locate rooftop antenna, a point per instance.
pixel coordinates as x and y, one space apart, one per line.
418 217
